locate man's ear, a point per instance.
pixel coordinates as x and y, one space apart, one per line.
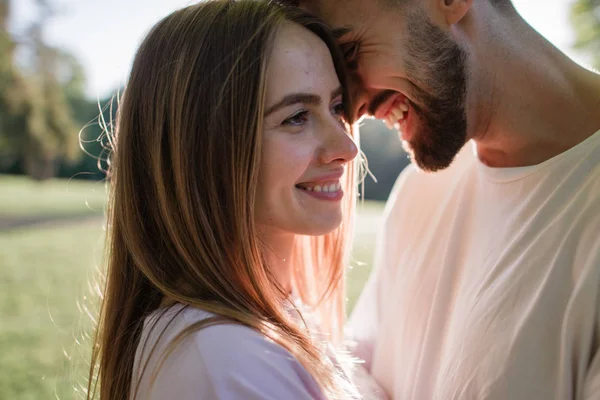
454 10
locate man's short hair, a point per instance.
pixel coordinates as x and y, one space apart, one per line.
293 3
502 4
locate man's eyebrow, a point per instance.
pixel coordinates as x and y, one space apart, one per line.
337 33
305 98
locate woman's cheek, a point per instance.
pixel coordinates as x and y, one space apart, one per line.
291 155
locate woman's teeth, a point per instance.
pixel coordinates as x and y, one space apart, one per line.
325 187
396 114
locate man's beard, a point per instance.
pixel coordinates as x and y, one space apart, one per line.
437 65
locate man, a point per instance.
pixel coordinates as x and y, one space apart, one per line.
487 274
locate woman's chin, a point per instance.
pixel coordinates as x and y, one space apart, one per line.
321 225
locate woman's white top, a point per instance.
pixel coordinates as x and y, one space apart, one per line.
223 361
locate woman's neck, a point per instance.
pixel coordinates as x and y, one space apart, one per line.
277 249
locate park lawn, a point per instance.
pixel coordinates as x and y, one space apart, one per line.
43 282
368 224
20 196
44 277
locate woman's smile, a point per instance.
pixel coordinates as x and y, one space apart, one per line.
327 190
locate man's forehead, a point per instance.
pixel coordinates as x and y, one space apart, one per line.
341 15
330 6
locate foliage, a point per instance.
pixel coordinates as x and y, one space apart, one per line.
37 128
585 18
49 128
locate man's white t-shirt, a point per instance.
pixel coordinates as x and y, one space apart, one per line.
486 282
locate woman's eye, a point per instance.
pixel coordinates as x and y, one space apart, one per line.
297 119
339 110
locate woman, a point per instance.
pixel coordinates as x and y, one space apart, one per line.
232 187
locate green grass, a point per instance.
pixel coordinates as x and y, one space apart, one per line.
20 197
44 275
367 225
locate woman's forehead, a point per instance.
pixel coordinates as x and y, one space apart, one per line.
300 62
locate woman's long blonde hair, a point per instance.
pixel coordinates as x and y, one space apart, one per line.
184 168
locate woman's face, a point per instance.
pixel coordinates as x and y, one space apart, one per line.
305 149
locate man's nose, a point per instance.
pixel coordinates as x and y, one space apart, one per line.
359 96
360 105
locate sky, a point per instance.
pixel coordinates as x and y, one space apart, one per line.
104 34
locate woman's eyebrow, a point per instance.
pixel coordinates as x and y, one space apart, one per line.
304 98
294 98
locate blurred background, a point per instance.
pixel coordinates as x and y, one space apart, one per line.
62 62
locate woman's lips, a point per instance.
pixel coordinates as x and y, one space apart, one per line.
326 187
323 190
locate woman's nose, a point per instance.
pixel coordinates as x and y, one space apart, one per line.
337 146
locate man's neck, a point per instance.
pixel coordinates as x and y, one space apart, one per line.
529 101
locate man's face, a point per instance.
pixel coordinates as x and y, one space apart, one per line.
413 74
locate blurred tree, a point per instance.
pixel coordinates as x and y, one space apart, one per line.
13 94
96 120
585 18
37 128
